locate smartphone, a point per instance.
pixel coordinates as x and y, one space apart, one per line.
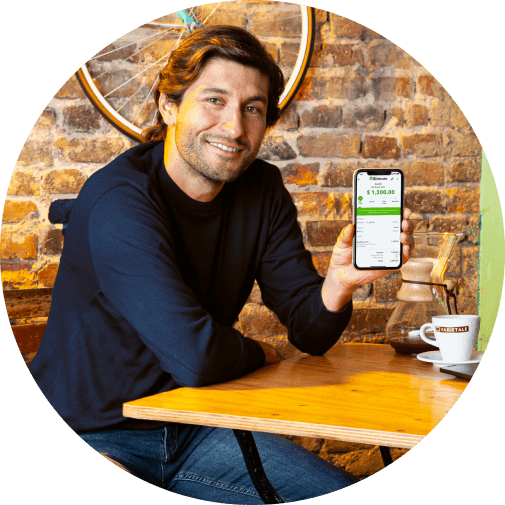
378 212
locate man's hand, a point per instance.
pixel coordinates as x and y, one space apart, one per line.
271 354
342 278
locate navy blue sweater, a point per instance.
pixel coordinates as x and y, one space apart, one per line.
151 281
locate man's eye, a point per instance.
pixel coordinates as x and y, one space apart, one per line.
214 100
253 109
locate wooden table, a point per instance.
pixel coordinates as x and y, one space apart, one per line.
357 392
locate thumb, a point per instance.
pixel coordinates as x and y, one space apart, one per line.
344 240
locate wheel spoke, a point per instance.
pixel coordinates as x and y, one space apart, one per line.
139 71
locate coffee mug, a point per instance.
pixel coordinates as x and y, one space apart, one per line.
455 336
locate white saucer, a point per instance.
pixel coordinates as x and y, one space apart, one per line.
435 357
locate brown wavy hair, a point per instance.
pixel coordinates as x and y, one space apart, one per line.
188 60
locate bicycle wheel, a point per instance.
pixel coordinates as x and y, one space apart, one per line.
120 80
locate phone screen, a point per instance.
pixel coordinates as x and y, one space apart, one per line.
378 209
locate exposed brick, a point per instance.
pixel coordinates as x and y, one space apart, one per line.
470 259
275 52
362 463
386 288
71 89
345 28
417 114
47 120
468 286
47 275
22 278
316 205
308 88
364 119
454 267
257 321
447 113
423 173
368 321
322 116
423 201
283 23
153 51
287 53
462 144
90 150
464 170
341 202
341 88
322 16
53 242
255 296
380 53
321 261
427 85
318 58
404 87
384 148
289 119
423 145
111 53
275 148
396 115
301 174
226 16
452 223
119 83
36 152
324 233
15 266
15 210
84 118
308 443
328 145
473 229
383 88
17 246
463 200
23 184
144 112
64 181
338 173
403 60
361 293
342 55
339 446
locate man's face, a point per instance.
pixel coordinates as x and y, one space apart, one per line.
221 120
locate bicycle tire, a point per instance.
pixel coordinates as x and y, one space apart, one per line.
109 107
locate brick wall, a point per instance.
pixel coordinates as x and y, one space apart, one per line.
364 103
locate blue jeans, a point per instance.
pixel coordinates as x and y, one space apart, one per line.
207 463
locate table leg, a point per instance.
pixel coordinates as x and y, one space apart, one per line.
252 460
386 455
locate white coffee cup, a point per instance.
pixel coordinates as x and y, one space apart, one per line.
455 336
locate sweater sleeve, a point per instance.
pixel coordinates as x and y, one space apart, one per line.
290 285
137 272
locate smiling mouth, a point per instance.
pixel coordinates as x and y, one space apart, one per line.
225 148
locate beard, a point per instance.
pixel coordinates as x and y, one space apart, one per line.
218 169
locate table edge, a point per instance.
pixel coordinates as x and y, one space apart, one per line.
277 426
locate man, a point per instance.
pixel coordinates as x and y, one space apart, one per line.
161 252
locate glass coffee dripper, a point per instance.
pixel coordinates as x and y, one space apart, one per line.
424 293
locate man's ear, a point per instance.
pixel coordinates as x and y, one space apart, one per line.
168 110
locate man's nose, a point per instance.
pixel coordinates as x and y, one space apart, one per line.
234 123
